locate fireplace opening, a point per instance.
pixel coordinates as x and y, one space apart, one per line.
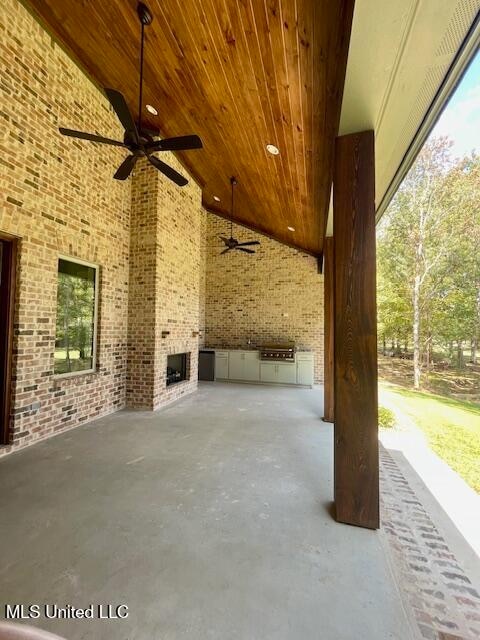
177 368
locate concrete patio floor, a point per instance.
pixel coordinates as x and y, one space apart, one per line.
210 519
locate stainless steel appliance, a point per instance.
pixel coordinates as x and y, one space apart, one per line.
278 352
206 364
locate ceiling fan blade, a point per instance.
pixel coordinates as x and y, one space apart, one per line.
88 136
225 240
125 169
181 143
247 244
225 251
168 171
120 107
244 250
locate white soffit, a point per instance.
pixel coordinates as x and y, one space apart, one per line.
400 53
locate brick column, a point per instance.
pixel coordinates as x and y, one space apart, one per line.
166 270
142 290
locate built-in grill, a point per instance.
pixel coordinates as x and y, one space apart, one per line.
285 352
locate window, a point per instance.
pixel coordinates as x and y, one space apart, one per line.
75 340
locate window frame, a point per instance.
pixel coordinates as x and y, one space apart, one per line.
96 267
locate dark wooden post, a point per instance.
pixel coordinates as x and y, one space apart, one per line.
355 332
328 309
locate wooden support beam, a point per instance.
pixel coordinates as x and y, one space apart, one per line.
328 311
355 333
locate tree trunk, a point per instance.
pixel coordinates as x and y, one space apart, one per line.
416 332
476 328
428 352
450 351
460 360
384 345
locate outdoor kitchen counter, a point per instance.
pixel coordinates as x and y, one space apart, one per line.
245 365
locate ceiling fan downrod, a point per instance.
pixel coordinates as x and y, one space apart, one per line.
146 18
233 182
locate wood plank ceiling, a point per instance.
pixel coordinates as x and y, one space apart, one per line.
239 73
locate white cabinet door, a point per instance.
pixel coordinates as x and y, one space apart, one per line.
286 373
236 365
305 372
305 368
251 370
221 365
268 372
282 373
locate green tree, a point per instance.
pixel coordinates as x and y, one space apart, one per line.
457 312
428 257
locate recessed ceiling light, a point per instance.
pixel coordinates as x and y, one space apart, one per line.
151 110
291 228
271 148
216 198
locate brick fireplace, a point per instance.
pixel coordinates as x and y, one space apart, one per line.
166 266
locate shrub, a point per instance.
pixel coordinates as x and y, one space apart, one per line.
386 418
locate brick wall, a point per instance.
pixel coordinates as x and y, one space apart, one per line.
166 278
203 277
142 299
275 295
58 197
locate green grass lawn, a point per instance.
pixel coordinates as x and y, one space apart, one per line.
452 428
76 363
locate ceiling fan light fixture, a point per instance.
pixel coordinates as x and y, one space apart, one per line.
271 148
232 243
139 142
291 228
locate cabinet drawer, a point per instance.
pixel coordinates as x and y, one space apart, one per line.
304 357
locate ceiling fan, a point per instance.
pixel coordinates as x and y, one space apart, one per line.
231 243
137 141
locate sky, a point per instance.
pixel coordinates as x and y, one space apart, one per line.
460 120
